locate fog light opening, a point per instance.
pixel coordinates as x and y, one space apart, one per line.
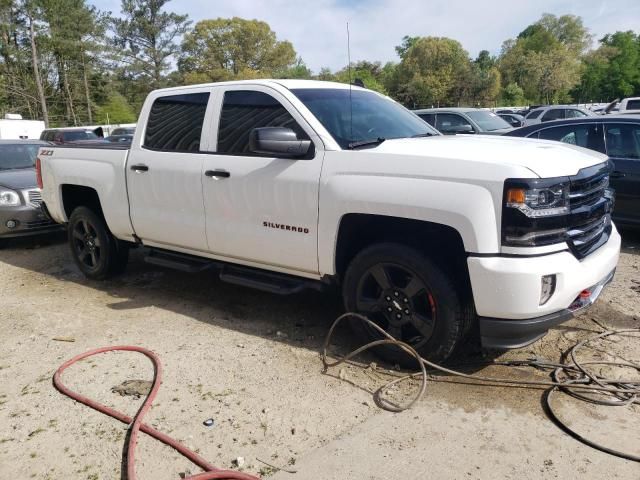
11 224
547 288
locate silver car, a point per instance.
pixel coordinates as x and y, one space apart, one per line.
20 198
555 112
450 121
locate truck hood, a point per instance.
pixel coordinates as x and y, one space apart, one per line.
543 157
18 179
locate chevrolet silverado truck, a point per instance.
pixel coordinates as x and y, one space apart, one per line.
289 184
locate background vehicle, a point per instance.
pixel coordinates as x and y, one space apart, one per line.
451 121
121 134
73 135
20 198
555 112
513 119
626 106
291 184
617 136
13 127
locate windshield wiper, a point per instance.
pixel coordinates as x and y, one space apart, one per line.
423 135
365 143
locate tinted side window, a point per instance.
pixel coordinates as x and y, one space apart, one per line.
633 105
244 110
553 114
175 122
534 114
575 114
586 136
623 141
447 120
428 117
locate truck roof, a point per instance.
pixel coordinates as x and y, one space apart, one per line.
287 83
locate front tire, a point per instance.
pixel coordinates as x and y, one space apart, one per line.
96 252
410 297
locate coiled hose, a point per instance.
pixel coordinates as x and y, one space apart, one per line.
573 378
136 425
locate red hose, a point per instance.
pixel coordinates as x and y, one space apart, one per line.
211 472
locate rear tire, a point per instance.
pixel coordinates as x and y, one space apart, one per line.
410 297
96 252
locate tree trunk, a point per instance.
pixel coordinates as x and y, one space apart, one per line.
36 73
86 91
68 92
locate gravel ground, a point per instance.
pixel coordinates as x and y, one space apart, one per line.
250 361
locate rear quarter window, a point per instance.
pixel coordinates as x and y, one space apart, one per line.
175 122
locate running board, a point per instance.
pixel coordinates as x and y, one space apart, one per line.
278 283
272 282
178 261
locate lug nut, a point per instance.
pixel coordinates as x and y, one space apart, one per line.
387 298
406 311
396 294
389 309
405 300
398 316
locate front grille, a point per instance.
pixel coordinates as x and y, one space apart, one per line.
35 198
589 223
589 190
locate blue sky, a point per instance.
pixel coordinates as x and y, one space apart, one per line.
317 28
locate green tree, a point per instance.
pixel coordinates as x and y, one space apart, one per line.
513 95
433 71
115 110
407 43
234 48
372 74
622 76
545 58
145 38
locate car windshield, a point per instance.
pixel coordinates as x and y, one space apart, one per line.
361 115
487 121
13 156
79 135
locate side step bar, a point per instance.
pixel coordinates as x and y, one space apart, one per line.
272 282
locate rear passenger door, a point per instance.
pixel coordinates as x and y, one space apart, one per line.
623 147
261 209
164 173
552 114
450 123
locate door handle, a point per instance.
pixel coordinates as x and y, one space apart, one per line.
617 175
139 168
217 173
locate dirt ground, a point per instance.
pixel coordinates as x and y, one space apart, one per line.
249 361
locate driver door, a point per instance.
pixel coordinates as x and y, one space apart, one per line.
260 209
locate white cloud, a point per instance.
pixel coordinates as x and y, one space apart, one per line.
317 28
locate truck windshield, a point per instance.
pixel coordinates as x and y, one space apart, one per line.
13 156
364 116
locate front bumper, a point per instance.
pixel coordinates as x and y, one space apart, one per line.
29 220
506 291
501 333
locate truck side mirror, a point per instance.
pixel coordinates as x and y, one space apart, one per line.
278 141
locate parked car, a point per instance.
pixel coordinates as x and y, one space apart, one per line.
20 197
515 120
450 121
73 135
617 136
555 112
302 184
121 135
626 106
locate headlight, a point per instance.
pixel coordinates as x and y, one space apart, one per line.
540 202
9 198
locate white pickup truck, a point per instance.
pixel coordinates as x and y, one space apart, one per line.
288 184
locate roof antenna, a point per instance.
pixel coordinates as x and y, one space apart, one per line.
349 68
